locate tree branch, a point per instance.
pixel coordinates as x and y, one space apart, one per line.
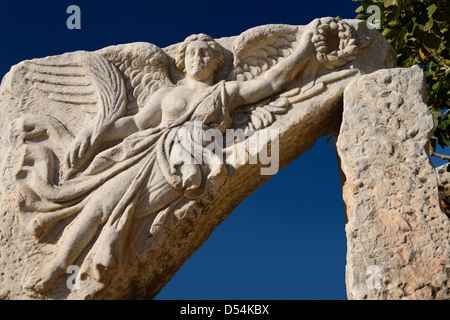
445 66
440 156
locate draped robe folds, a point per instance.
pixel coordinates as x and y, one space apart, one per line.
144 161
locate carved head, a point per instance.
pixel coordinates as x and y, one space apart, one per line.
199 56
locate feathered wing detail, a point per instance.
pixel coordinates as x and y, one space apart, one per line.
112 82
61 78
78 79
144 68
111 92
258 49
70 84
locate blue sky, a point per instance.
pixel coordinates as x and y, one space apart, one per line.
287 240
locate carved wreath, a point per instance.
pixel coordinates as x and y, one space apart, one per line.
335 44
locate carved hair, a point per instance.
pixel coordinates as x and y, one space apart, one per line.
181 52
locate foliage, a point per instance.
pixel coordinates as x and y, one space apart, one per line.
418 31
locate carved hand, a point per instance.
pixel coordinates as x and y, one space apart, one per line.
78 151
307 35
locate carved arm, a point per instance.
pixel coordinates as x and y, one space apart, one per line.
83 146
273 80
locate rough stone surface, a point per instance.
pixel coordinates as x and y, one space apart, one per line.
397 234
443 176
100 198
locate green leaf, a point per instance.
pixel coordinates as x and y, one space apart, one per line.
396 12
395 25
331 136
388 3
360 9
436 113
428 25
366 3
432 41
361 16
431 9
387 32
433 144
435 86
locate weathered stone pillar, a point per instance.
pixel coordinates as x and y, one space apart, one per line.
397 233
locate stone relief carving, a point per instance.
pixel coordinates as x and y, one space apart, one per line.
93 165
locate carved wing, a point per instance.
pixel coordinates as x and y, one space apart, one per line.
144 68
260 48
111 83
256 51
77 80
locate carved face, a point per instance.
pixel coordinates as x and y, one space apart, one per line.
199 60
